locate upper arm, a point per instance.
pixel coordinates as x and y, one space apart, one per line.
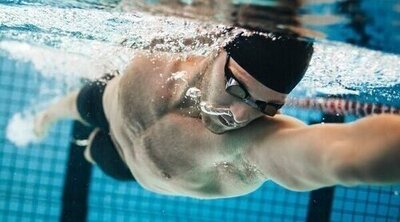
300 157
309 157
285 150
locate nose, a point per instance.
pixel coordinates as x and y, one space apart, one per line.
243 113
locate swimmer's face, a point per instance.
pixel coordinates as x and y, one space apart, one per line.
224 110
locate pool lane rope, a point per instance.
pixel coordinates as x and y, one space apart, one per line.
340 106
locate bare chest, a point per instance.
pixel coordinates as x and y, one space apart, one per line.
166 145
179 162
219 179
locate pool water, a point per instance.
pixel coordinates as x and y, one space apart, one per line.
47 47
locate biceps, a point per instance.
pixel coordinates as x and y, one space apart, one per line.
302 158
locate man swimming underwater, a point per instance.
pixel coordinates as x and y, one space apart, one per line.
207 126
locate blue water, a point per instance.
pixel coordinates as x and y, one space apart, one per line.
46 47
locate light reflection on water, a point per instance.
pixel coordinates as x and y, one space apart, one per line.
99 36
360 22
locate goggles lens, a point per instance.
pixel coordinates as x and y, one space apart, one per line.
236 89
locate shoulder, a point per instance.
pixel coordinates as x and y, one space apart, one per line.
274 125
153 61
287 122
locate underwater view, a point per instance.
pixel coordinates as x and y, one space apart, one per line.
50 48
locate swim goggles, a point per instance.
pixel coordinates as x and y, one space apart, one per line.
236 89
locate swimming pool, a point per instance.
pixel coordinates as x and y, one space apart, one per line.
41 60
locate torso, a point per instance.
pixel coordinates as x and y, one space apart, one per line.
161 137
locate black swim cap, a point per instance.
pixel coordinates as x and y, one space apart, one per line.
277 61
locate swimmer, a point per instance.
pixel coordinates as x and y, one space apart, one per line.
209 126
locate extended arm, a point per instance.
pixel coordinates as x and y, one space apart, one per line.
309 157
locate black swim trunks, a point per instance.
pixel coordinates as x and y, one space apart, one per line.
102 148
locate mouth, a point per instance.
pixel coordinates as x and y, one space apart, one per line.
223 115
226 121
214 111
218 124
